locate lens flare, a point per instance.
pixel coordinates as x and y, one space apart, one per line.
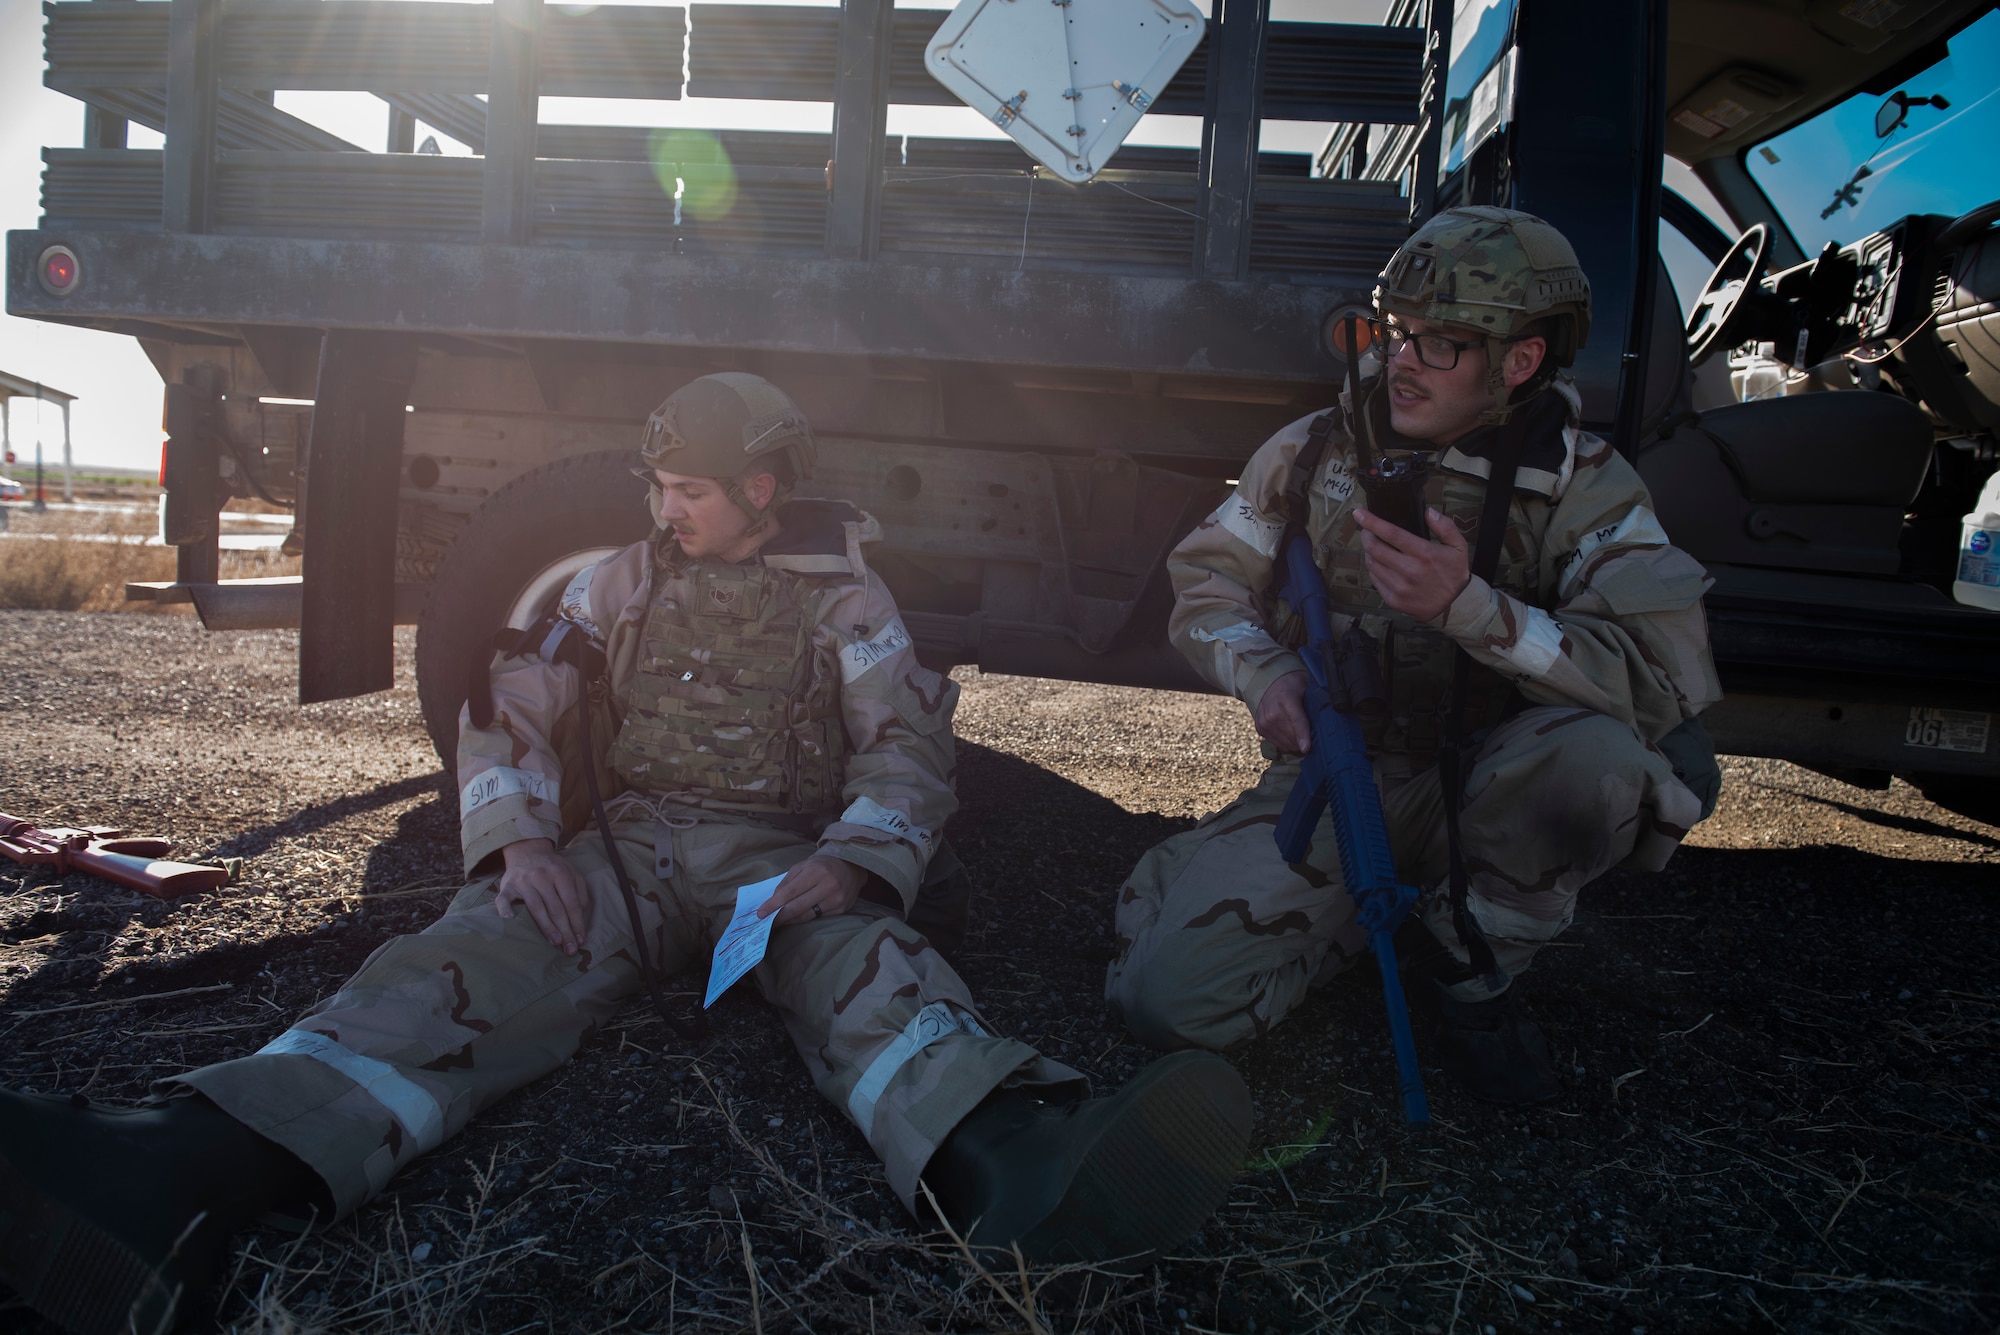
693 167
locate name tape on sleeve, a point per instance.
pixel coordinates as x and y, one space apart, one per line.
1241 518
1241 636
867 811
865 655
489 786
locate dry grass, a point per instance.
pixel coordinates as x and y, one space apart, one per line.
1809 998
81 562
65 574
392 1285
836 1269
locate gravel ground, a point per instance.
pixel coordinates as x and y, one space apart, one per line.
1779 1055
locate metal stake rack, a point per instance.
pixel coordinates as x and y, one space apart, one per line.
1102 354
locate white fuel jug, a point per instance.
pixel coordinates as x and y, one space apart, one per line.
1978 582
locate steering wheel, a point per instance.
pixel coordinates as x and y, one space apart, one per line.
1968 225
1714 323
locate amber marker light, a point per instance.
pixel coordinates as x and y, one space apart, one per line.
1338 326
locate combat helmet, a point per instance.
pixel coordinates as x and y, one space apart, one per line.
729 425
1493 271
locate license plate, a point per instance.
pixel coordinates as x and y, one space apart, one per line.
1948 730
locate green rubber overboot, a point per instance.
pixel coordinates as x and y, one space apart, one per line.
112 1220
1125 1176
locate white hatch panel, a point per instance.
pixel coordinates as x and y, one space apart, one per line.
1067 79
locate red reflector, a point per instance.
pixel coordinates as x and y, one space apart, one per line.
58 271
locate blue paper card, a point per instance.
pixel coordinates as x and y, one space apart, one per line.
743 941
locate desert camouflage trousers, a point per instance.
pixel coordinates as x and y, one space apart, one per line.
1218 939
439 1025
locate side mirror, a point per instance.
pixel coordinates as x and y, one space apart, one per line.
1895 110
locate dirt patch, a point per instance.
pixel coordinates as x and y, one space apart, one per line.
1779 1055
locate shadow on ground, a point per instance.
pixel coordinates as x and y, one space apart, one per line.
1777 1110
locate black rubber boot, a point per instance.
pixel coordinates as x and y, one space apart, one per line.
1097 1179
113 1220
1493 1049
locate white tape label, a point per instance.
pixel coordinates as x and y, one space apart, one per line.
1241 637
489 786
1637 529
1241 518
407 1101
861 657
1538 648
867 811
929 1025
575 602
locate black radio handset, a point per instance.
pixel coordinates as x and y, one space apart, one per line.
1394 486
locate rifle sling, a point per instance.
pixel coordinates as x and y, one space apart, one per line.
690 1033
1304 464
558 640
1505 459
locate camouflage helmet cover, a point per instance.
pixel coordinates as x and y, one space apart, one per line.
1489 269
726 425
1494 271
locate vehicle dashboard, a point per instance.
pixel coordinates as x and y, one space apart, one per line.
1877 304
1883 303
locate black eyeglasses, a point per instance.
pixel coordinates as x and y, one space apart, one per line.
1433 350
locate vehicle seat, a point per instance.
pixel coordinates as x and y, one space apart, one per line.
1804 482
1841 447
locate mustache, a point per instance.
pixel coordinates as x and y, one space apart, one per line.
1408 383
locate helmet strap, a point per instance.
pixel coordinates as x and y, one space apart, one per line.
732 487
1496 382
761 521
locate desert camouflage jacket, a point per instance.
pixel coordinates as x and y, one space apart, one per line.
1606 614
897 713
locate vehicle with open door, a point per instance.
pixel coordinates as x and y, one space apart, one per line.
442 361
1814 398
1834 426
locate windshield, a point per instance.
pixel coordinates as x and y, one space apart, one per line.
1479 89
1832 179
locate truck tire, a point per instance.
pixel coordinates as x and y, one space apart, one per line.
510 563
1974 796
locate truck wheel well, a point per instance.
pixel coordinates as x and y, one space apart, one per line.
512 549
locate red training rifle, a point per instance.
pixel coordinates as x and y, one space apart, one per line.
103 851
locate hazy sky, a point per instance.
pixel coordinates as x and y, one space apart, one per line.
116 417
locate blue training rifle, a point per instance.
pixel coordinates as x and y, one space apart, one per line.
1342 678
